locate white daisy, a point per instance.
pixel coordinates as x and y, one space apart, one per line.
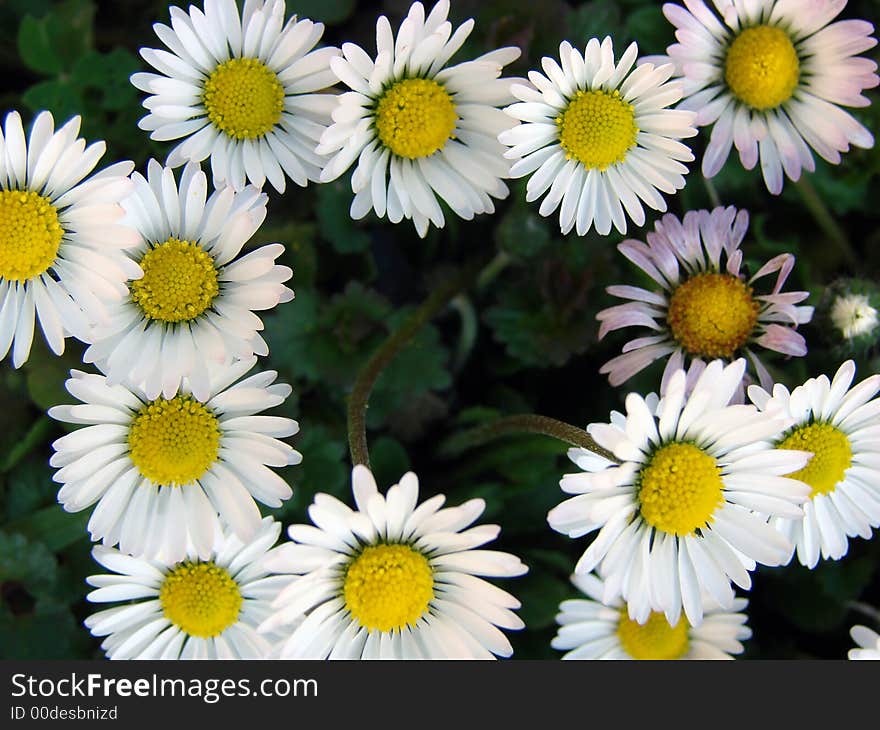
161 470
675 515
707 307
61 239
240 87
204 607
840 426
771 76
194 302
599 137
868 641
589 629
392 580
420 129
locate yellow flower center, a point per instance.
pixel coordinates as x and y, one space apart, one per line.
762 67
654 639
388 587
680 489
244 98
179 282
30 234
415 118
597 128
832 455
201 599
175 441
712 315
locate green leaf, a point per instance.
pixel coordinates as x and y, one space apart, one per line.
334 219
388 460
51 44
36 434
29 487
53 527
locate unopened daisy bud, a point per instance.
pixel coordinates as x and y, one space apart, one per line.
593 629
205 606
243 87
393 579
848 316
62 238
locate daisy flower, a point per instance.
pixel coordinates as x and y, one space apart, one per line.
868 641
771 76
706 307
589 629
392 580
240 87
162 469
419 129
203 607
61 237
840 425
676 513
192 301
599 137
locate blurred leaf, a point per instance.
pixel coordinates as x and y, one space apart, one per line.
52 43
388 460
28 488
325 11
594 19
52 526
337 227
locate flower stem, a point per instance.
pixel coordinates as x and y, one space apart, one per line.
525 423
438 299
835 234
714 198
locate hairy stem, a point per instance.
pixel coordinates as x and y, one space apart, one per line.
526 423
438 299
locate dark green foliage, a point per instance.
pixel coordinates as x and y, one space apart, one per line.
524 338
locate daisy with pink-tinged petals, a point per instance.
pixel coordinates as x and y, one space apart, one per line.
706 307
771 76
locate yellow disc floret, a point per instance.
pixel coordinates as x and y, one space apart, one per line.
654 639
201 599
597 128
388 587
762 67
832 455
30 234
415 118
712 315
680 489
244 98
175 441
179 282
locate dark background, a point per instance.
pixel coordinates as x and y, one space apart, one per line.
533 349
